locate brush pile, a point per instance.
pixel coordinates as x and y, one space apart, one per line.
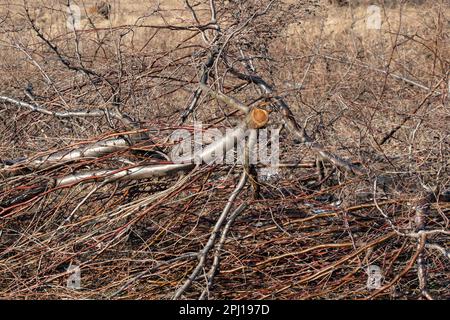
94 205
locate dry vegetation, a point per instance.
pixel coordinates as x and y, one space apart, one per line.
364 145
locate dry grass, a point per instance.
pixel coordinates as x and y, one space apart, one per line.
302 239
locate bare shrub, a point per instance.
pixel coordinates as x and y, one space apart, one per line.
87 117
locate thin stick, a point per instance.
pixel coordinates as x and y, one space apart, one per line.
212 238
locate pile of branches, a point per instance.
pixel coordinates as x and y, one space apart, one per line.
88 177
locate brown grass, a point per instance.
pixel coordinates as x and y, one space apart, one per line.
303 239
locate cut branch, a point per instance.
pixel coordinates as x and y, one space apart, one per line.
295 128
